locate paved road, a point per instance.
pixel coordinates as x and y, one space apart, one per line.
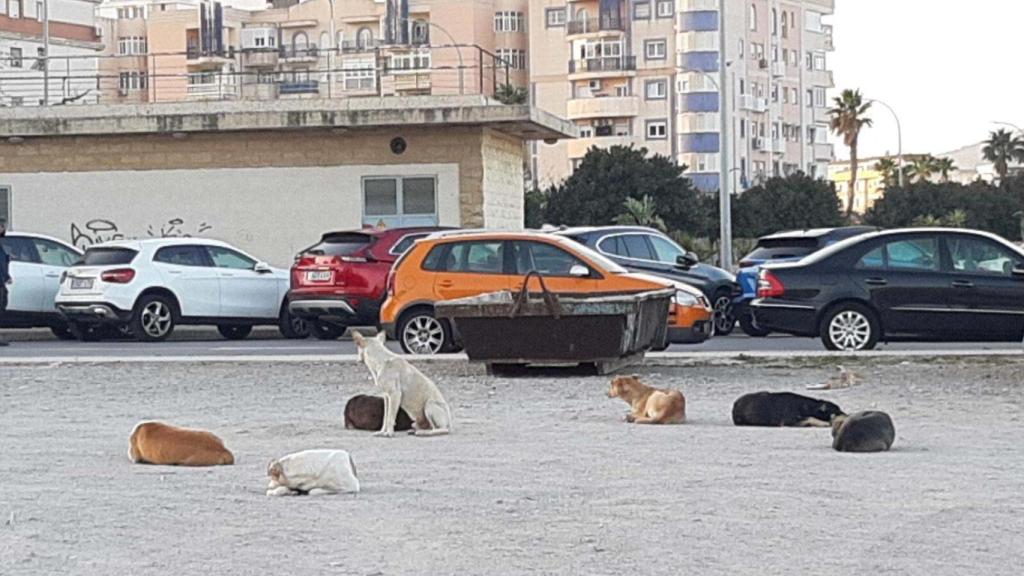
208 344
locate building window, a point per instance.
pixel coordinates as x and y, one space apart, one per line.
259 38
810 98
400 202
358 75
666 9
743 128
775 22
5 205
819 61
410 61
131 45
15 57
655 49
3 6
741 47
130 12
509 22
132 82
775 92
656 89
420 32
515 59
17 100
39 11
657 129
813 21
642 10
785 24
14 8
554 17
586 132
753 18
364 38
819 97
40 63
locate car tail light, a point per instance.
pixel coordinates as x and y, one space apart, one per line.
390 284
119 276
769 286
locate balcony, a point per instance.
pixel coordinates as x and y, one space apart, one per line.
606 23
821 116
578 148
201 58
299 87
753 104
778 69
603 107
827 30
697 5
210 86
259 57
822 151
604 66
300 54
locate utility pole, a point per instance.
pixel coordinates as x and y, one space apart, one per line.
724 199
46 52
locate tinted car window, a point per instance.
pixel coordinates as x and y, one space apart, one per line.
780 248
179 256
53 254
433 261
544 258
914 254
637 247
666 250
19 249
980 256
612 245
108 256
873 259
477 257
225 258
340 245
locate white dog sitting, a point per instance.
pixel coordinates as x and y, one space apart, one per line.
313 472
404 387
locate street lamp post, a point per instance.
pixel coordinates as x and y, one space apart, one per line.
331 56
899 136
724 198
46 52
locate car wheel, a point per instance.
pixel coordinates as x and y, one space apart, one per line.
420 332
292 327
235 332
749 327
327 331
724 321
849 327
84 332
62 332
153 318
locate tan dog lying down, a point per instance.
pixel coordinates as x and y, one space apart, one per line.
649 405
313 472
159 443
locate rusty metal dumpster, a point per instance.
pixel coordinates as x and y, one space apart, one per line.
506 330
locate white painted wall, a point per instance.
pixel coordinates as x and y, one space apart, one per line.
271 213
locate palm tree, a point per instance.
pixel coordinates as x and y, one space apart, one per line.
922 168
955 219
944 166
509 94
887 167
849 116
1001 148
641 212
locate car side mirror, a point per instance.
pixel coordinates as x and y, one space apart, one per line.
578 271
688 260
262 268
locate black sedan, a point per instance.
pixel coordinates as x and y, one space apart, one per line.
641 249
911 284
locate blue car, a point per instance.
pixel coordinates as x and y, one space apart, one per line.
781 247
640 249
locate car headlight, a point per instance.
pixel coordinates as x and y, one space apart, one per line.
684 299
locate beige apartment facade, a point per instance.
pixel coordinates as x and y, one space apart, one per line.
646 73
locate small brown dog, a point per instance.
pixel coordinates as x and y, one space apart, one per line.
364 412
159 443
649 405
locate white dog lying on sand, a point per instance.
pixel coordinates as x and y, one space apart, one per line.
313 472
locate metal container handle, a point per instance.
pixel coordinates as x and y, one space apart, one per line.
524 295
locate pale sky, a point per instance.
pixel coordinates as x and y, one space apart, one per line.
949 68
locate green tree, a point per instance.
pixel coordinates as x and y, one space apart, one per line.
791 203
596 191
535 203
640 212
1001 148
955 219
922 168
889 169
848 117
509 94
943 166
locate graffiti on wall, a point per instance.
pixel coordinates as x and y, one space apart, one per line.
101 230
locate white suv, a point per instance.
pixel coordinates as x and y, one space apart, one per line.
37 263
151 286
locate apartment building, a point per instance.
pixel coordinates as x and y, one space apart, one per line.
71 50
646 73
202 49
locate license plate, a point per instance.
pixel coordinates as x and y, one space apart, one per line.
81 283
324 276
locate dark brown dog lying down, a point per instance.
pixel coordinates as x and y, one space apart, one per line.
367 413
159 443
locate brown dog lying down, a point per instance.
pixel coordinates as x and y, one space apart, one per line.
159 443
367 413
649 405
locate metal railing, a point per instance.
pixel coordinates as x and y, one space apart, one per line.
255 74
607 22
603 64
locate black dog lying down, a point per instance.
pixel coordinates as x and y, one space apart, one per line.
367 413
869 431
782 409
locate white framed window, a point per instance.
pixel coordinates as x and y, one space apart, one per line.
39 11
656 89
775 22
358 75
819 61
131 45
14 8
3 7
410 61
586 132
509 21
741 48
657 129
642 10
15 57
400 201
516 59
259 38
813 21
364 38
775 92
420 32
819 97
133 81
665 9
554 17
622 90
810 98
655 49
753 18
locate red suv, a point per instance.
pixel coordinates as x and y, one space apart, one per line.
340 281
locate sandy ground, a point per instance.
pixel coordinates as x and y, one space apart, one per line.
541 476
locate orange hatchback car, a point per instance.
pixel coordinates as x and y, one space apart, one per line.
451 265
